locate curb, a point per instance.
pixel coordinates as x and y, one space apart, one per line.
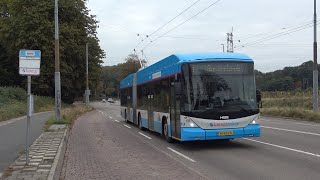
57 165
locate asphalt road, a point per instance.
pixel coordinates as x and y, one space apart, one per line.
287 149
13 136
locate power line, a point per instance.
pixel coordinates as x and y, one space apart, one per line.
271 32
147 36
277 35
183 22
174 17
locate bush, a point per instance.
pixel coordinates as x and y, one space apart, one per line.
13 103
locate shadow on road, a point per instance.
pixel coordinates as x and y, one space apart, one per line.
214 145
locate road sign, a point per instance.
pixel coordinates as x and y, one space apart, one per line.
29 62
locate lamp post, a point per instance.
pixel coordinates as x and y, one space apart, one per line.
57 65
87 75
222 47
315 61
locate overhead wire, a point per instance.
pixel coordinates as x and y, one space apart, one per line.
212 4
293 30
161 27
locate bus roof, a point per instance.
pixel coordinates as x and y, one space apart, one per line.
171 65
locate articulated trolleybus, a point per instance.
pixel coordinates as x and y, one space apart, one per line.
188 97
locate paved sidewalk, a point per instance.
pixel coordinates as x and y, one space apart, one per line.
43 153
100 148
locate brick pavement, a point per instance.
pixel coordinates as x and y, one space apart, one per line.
42 154
99 148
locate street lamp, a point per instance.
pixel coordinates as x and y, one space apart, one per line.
222 47
315 63
57 65
87 75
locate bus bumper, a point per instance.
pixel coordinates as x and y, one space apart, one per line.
193 134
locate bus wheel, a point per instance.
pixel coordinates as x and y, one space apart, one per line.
166 132
140 123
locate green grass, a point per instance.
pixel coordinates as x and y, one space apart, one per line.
69 115
13 103
295 104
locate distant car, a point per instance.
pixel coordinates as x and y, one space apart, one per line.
104 101
110 100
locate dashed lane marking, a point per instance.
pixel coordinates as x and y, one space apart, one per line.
127 126
144 135
116 120
290 130
180 154
110 117
283 147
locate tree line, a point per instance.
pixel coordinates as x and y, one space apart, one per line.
287 79
29 24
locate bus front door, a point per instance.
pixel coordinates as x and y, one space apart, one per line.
174 111
150 110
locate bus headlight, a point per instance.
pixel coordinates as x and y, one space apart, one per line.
187 122
255 120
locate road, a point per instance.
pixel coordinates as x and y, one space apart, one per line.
13 136
287 149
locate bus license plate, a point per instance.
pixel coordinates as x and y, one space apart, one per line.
228 133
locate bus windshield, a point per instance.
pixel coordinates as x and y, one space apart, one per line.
218 90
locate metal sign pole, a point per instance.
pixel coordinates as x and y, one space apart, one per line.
28 119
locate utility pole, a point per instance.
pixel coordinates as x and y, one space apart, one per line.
87 75
222 47
230 42
315 62
57 65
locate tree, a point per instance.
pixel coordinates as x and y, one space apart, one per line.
30 25
112 75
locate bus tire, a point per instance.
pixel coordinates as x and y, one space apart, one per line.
165 129
140 122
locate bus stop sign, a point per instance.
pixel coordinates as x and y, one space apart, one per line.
29 62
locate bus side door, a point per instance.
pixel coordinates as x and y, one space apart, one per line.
150 108
175 107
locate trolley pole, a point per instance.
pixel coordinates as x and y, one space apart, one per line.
57 66
315 62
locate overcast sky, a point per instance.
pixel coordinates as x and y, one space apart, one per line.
252 20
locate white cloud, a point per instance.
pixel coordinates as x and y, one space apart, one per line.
120 20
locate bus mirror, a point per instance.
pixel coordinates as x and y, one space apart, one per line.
258 92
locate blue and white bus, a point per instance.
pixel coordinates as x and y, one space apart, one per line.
199 96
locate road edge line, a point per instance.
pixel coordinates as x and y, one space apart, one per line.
290 130
284 147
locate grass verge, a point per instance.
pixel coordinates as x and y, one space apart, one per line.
69 115
13 103
295 104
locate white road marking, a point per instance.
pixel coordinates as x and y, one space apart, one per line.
127 126
0 175
283 147
110 117
116 120
180 154
307 124
145 135
290 130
